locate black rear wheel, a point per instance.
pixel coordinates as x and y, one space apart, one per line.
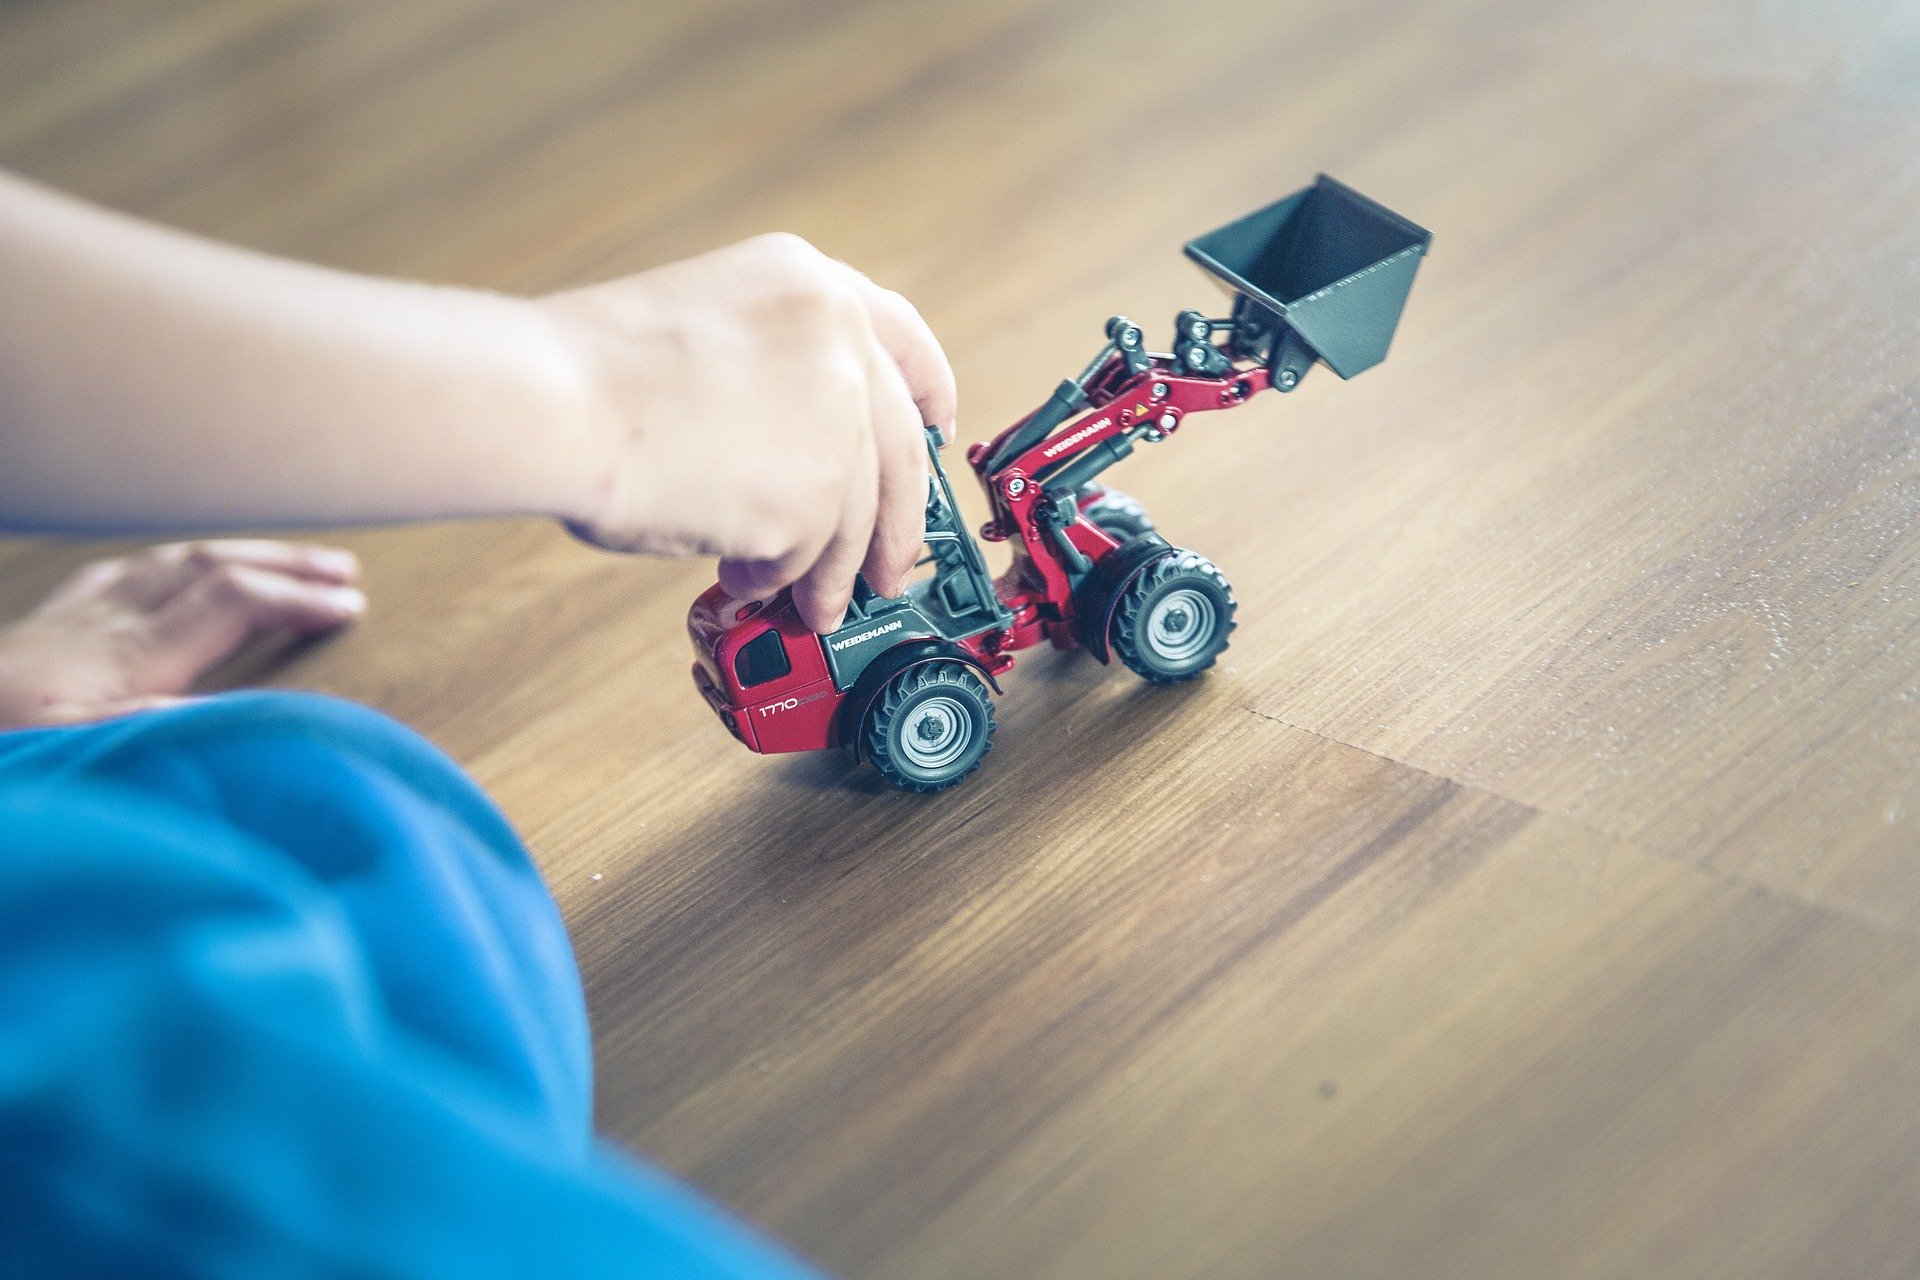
1173 619
930 726
1118 515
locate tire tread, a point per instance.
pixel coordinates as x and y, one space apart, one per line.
915 679
1127 615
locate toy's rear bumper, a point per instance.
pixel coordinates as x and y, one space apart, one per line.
737 721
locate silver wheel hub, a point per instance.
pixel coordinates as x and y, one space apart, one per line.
935 733
1180 625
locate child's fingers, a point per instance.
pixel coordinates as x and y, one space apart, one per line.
87 581
822 592
909 341
883 522
826 540
159 573
756 579
900 520
300 559
751 577
211 617
82 713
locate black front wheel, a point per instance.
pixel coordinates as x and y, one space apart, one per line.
1173 619
930 727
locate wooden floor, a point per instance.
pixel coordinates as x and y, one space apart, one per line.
1534 891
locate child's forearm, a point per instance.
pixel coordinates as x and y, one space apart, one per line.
152 381
761 403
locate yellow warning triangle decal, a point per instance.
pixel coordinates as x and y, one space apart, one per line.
1139 409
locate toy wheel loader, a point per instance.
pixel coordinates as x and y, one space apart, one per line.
907 683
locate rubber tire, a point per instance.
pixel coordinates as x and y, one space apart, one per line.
893 711
1176 571
1118 515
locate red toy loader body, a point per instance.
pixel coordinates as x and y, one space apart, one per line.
908 682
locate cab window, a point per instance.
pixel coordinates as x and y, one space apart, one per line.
761 659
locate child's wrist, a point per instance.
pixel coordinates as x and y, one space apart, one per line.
557 437
596 418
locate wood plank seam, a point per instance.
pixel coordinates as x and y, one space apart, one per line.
1739 879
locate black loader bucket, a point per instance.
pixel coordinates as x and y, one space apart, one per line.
1322 273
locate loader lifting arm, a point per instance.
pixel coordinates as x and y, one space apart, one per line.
1039 467
1149 393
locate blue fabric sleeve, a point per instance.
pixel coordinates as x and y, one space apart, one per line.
281 994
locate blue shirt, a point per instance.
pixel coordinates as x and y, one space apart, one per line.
281 994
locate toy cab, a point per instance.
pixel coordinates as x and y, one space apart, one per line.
762 671
779 687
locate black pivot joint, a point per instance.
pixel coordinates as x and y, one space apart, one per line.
1130 343
1193 348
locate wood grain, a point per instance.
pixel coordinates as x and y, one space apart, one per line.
1533 892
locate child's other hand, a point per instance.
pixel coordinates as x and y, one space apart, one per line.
129 634
767 404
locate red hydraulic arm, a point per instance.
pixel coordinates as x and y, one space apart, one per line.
1033 470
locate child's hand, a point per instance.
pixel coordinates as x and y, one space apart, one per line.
767 405
126 635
